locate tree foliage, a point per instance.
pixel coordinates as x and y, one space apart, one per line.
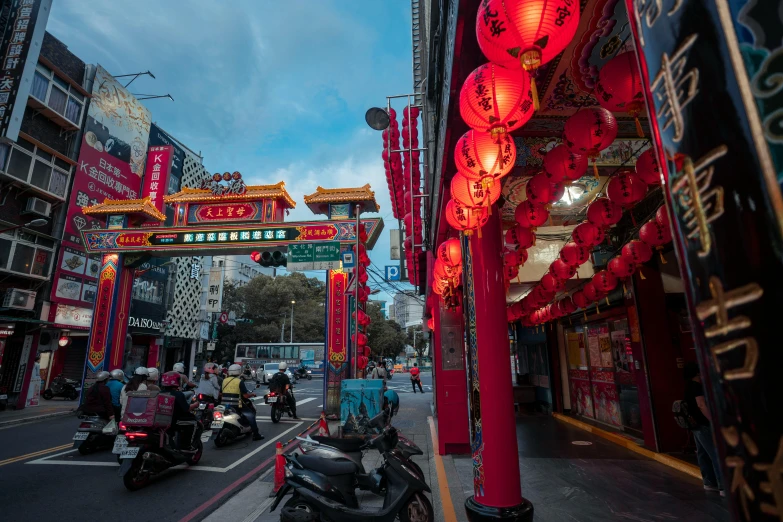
420 345
385 337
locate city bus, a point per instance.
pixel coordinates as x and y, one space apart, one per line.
257 355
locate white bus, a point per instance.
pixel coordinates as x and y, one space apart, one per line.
257 355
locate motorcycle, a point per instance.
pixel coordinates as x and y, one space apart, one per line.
303 372
325 488
279 404
90 437
206 408
63 387
228 425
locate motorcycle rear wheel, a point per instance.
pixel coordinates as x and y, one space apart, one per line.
47 394
72 395
417 509
193 460
277 414
134 479
309 377
221 439
297 502
87 446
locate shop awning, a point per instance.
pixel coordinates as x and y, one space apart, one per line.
9 319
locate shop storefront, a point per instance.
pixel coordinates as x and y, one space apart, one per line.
67 341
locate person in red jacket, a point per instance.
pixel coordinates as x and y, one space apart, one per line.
415 379
98 399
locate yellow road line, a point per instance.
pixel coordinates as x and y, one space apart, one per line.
443 484
34 454
667 460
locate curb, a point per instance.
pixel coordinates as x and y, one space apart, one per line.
666 460
25 420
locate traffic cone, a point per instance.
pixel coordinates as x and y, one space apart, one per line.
323 427
279 468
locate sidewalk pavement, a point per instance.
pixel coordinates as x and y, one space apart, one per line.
53 408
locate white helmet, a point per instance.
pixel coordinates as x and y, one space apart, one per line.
179 367
283 366
153 374
118 375
102 376
141 370
235 370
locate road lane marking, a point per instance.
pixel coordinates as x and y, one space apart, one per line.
298 403
34 454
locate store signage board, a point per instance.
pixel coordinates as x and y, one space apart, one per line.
314 256
191 240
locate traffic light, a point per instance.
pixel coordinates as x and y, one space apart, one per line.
270 258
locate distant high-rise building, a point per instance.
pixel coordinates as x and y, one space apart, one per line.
408 309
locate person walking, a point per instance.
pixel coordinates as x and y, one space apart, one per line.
416 378
706 454
379 372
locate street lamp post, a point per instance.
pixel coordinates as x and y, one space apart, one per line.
34 223
292 321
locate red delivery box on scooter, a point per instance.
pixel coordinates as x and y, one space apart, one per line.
149 409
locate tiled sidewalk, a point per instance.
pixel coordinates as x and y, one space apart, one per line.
53 408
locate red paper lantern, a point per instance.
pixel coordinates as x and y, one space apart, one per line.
530 215
573 254
362 339
439 286
475 192
561 164
580 300
626 189
621 267
590 131
654 234
604 213
566 306
526 33
511 272
362 362
450 252
510 258
522 255
619 87
662 217
647 167
562 270
637 252
591 292
551 283
431 323
441 271
540 190
463 218
604 281
479 154
587 235
496 100
521 236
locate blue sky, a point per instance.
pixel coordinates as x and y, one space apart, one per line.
275 90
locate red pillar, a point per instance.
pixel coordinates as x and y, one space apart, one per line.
496 481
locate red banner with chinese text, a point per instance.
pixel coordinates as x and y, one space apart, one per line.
96 350
311 232
156 177
337 324
225 212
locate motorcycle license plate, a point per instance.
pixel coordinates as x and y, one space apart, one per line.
3 397
202 406
81 435
130 453
271 400
216 425
120 443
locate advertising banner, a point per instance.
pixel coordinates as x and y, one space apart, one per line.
159 137
72 317
156 177
22 37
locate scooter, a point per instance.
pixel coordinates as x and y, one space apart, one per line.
279 403
303 372
62 387
89 435
323 487
150 451
228 425
206 408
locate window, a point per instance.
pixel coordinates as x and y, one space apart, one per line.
56 93
38 168
26 253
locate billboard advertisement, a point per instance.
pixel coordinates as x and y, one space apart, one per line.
111 162
160 138
148 297
156 177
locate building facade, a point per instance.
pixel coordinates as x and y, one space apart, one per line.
408 309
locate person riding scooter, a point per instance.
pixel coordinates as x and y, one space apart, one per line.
209 385
236 394
98 401
115 385
182 410
152 379
185 383
281 384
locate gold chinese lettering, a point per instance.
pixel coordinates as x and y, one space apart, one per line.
693 190
774 484
651 9
675 88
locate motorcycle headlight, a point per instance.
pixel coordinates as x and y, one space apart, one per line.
288 473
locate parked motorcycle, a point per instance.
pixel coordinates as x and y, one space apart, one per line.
90 437
325 488
303 372
149 443
279 404
63 387
228 425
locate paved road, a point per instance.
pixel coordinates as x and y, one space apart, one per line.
40 474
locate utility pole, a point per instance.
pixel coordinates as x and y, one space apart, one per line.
282 331
292 321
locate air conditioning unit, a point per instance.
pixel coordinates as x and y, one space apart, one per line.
19 299
39 207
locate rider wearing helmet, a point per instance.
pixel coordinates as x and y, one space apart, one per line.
236 394
184 381
115 385
137 383
209 385
278 384
170 383
98 400
152 379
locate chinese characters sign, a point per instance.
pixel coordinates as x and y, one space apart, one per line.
99 336
21 45
156 175
313 256
215 290
337 331
225 212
